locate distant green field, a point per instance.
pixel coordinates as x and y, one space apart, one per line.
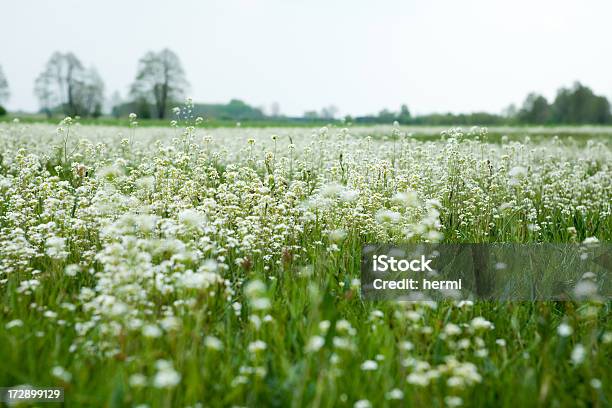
210 123
419 131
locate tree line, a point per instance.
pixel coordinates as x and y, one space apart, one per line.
4 91
575 105
66 86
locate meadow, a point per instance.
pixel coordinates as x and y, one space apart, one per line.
185 266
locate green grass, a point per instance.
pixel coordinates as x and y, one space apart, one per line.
533 368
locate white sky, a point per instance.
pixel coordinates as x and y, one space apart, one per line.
362 56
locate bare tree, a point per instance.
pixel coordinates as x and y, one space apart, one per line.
275 110
329 112
89 93
65 83
58 80
4 88
115 104
160 80
44 93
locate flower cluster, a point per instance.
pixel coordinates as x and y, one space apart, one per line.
169 247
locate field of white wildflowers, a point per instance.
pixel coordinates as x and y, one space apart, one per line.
185 266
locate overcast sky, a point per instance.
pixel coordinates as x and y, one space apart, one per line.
362 56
